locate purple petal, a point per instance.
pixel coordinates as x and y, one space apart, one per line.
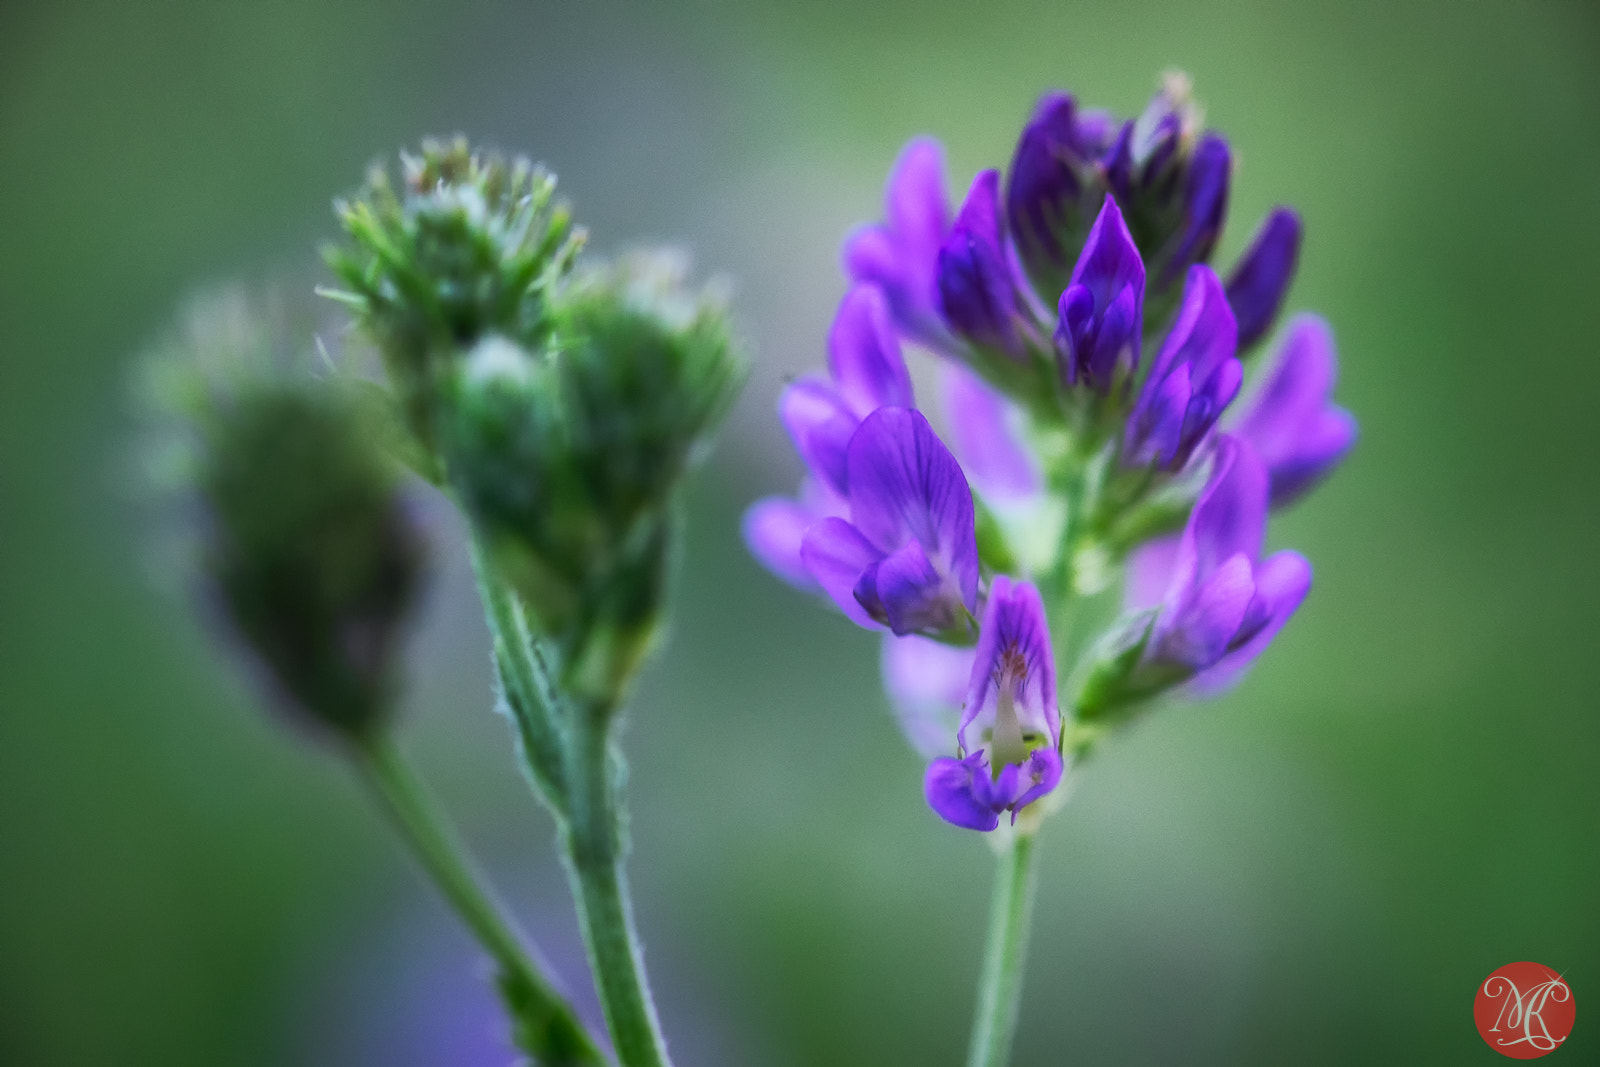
1282 582
837 555
914 199
1014 657
906 593
1044 770
905 485
1155 429
981 437
1229 518
926 682
821 427
1261 279
773 531
1198 624
864 354
949 787
1151 569
1110 261
1291 422
900 254
976 295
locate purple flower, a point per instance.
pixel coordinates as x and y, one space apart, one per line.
866 372
1052 184
977 291
1205 208
1223 603
899 255
927 683
1011 709
1101 311
1261 278
907 558
1194 377
983 438
1291 422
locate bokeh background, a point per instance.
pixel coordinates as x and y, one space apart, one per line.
1317 869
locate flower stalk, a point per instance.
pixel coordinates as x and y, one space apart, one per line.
544 1024
1005 953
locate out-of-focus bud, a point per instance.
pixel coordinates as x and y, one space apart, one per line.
466 245
1261 278
311 549
568 458
1172 184
307 547
1055 187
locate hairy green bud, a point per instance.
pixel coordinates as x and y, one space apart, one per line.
307 546
311 549
568 458
467 244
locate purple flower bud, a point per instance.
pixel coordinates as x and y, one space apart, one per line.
1052 185
1194 377
1101 312
900 254
908 556
1223 603
983 438
1261 278
1205 208
1011 710
1142 164
1291 422
977 295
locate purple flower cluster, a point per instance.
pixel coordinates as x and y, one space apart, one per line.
1039 294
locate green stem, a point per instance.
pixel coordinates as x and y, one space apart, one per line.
524 680
546 1026
1000 987
593 836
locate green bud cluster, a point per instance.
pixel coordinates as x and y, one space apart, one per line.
561 407
465 245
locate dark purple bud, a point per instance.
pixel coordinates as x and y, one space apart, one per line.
1205 208
976 293
1261 278
1101 311
1052 186
1193 378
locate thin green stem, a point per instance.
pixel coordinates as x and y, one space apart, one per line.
1000 987
546 1026
593 836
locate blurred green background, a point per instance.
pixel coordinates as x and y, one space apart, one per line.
1317 869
